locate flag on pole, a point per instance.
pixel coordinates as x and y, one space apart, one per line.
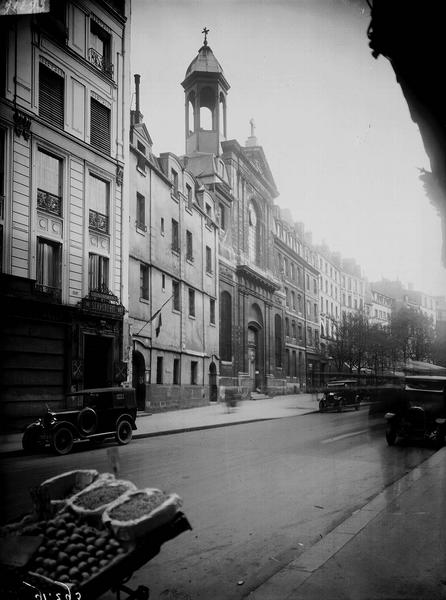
158 327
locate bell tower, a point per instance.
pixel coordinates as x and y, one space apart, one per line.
205 89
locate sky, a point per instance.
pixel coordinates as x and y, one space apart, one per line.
332 120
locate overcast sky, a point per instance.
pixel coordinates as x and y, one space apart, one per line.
332 120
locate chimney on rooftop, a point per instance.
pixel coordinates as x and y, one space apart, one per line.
136 114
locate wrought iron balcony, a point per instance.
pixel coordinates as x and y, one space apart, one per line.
99 61
98 221
51 292
49 203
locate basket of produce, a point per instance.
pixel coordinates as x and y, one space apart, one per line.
91 502
137 513
58 489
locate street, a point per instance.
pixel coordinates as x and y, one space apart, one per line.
257 495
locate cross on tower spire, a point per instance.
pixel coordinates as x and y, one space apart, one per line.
205 31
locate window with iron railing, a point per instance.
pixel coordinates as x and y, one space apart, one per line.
49 183
99 204
99 52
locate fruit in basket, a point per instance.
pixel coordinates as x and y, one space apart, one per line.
68 557
137 506
99 496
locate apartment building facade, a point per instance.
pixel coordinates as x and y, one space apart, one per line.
173 279
63 131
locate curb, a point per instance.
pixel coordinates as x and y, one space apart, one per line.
294 574
138 436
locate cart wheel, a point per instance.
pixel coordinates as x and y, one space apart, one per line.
124 432
62 440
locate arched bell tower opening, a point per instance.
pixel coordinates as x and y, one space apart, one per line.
205 89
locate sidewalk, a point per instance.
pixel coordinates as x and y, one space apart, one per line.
203 417
394 548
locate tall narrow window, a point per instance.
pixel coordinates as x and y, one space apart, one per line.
212 311
208 260
141 212
144 282
97 272
176 371
175 236
51 95
194 372
159 370
100 131
226 326
175 295
49 183
189 246
191 302
174 179
99 204
189 196
49 267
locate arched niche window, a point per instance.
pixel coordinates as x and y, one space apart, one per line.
253 233
226 326
190 113
207 106
278 339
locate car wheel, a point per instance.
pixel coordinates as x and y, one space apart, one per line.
391 435
322 405
124 432
438 438
62 440
31 440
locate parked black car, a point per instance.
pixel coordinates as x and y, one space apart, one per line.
421 411
341 394
94 415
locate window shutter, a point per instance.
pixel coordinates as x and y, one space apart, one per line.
99 126
51 96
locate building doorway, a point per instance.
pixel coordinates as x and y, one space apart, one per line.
253 358
98 361
139 379
213 395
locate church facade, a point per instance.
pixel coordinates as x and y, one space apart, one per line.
251 298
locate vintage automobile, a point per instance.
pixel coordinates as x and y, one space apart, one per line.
421 411
340 394
95 415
